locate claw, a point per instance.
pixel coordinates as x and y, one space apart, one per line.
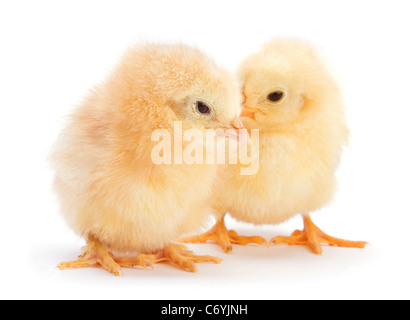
94 254
312 237
223 237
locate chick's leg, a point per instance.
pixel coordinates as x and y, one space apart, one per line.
174 253
223 237
94 254
312 237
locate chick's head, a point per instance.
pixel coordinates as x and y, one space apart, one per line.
160 84
202 94
284 83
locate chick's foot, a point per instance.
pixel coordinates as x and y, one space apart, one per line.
223 237
94 254
141 260
312 237
180 255
175 254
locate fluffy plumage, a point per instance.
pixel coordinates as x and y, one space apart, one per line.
109 189
292 98
301 137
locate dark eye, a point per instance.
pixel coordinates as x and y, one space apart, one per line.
202 107
275 96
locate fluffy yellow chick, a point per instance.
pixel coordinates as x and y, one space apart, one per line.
110 190
294 101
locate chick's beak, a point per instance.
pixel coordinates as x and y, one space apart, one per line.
249 112
237 124
233 131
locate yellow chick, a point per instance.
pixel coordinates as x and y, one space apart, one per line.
293 100
111 191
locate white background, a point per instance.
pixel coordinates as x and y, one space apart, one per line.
53 51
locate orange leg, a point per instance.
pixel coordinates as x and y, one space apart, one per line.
312 237
175 253
94 254
223 237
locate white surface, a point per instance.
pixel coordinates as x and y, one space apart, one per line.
52 52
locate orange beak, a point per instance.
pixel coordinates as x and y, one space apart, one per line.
249 112
232 132
237 124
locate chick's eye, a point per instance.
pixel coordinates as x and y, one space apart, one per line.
202 107
275 96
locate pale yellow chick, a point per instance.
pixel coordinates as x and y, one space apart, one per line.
295 102
110 190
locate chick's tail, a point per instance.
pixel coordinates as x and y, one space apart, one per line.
223 237
313 237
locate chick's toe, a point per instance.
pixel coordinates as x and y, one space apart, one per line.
313 237
184 258
223 237
94 254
